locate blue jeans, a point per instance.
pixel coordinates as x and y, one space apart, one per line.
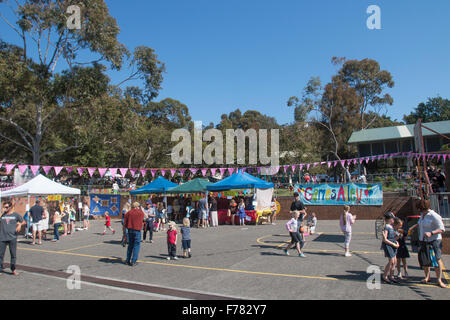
56 231
134 244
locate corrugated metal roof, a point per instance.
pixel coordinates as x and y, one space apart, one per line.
398 132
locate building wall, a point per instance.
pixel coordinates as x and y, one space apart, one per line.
401 205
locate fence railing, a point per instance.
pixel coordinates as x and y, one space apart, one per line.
440 204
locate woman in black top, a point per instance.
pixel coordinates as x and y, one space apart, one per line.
232 210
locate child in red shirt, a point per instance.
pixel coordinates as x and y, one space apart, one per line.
108 223
172 241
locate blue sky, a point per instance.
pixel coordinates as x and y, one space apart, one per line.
255 54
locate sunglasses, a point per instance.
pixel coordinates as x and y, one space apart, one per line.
6 207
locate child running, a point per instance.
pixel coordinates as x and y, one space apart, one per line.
402 252
292 227
186 238
389 246
172 241
108 223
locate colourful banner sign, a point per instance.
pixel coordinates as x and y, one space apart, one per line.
54 197
341 194
100 203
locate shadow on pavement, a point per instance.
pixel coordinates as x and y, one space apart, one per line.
333 254
329 238
113 242
112 260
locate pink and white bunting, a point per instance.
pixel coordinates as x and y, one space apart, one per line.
91 171
113 171
34 169
46 169
102 171
9 167
22 168
133 171
57 170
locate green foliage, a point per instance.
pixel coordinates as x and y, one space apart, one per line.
435 109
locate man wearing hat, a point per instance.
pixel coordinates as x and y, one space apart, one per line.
133 223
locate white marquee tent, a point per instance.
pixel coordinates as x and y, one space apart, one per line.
40 185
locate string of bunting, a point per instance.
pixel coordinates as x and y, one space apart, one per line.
172 171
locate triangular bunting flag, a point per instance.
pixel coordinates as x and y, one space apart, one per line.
102 171
80 171
91 171
34 169
9 167
57 170
46 169
22 168
133 171
123 171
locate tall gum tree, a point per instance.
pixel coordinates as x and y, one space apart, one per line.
43 76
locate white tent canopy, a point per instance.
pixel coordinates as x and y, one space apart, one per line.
40 185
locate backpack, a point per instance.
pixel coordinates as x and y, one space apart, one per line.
424 255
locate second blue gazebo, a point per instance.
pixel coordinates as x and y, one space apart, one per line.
159 185
239 180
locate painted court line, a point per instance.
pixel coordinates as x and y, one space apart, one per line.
186 266
313 250
88 246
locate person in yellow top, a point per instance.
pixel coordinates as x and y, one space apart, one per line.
57 223
275 207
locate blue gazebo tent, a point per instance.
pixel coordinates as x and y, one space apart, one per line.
159 185
239 180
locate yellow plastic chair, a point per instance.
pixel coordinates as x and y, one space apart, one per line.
262 215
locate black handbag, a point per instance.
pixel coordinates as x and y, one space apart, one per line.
424 255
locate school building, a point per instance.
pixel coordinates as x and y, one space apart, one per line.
372 142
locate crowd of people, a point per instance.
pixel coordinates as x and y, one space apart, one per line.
154 217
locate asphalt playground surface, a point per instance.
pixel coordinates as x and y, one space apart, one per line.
228 262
